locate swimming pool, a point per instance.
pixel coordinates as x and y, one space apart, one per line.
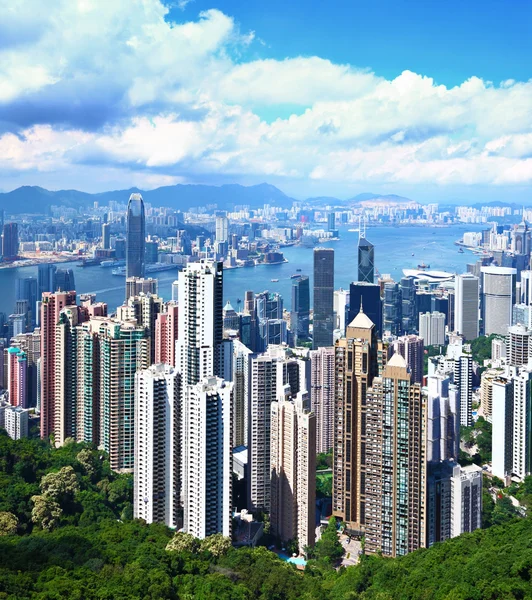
298 561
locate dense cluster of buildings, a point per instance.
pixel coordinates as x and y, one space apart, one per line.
190 393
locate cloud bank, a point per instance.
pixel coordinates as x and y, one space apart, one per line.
115 92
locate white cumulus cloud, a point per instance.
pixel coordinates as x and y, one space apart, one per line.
118 91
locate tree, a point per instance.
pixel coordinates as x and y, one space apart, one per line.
8 523
328 547
504 511
182 542
86 459
60 484
216 544
46 512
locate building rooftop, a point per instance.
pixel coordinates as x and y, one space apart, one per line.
397 360
362 321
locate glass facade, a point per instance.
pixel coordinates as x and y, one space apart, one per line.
135 237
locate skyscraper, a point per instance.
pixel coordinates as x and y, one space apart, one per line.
45 279
463 380
392 308
241 382
270 372
367 295
200 321
358 359
341 304
64 280
17 373
135 237
166 330
222 228
16 422
67 371
106 236
10 241
408 305
157 479
207 458
466 301
322 396
511 417
293 471
269 326
124 350
443 420
432 328
526 288
51 306
454 500
411 348
519 345
30 344
144 309
323 320
498 297
207 424
300 313
26 289
394 463
366 259
138 285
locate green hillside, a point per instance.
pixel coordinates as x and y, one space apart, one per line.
66 532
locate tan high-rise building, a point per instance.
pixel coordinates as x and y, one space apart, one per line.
394 463
269 374
359 358
322 395
293 470
486 390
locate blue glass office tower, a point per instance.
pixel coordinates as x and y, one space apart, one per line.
135 237
366 260
367 295
300 313
323 321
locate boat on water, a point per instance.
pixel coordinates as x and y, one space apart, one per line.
295 276
423 266
460 250
298 270
430 276
88 262
106 264
152 268
357 230
274 280
412 254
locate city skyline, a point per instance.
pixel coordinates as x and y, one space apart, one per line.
231 99
283 326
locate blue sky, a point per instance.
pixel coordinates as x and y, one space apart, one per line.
449 40
428 99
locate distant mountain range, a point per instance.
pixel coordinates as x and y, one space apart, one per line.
33 199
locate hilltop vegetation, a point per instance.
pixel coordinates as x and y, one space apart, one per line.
81 543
